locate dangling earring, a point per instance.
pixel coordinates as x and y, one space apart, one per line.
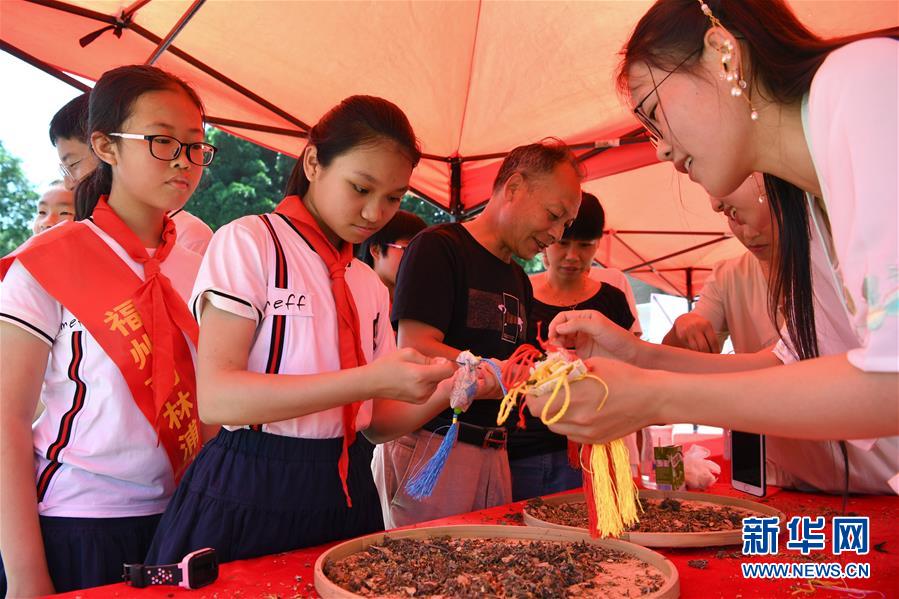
731 74
762 193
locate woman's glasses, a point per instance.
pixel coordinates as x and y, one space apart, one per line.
655 134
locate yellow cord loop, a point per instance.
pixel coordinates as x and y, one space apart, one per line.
614 492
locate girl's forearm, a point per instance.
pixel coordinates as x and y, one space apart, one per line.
238 397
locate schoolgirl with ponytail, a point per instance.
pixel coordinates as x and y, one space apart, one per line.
94 323
297 355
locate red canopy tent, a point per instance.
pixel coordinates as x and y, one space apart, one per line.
476 79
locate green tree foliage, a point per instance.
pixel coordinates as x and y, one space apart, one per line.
244 179
17 203
532 266
427 211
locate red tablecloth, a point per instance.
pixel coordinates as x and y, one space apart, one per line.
290 575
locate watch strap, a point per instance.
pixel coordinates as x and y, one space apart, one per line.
139 575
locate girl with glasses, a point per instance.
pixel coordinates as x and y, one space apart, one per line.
760 92
94 323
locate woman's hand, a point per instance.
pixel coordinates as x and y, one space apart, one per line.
409 376
631 404
695 332
591 334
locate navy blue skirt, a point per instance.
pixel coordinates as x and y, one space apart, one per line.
89 552
251 493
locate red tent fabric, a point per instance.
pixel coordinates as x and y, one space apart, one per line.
476 78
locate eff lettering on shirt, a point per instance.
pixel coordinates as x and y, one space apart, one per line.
286 302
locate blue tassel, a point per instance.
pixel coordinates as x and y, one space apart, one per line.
422 484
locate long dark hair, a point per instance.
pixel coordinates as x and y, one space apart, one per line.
356 121
111 103
784 56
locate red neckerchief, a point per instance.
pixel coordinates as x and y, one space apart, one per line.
164 311
348 335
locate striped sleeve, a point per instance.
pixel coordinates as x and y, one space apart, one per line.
25 304
233 276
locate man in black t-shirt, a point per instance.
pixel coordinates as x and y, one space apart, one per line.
458 288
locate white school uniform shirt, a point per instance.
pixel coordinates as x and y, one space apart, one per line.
193 233
851 123
618 279
296 318
110 464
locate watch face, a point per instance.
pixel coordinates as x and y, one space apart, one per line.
203 568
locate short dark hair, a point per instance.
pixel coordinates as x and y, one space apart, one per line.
589 222
535 159
70 121
403 225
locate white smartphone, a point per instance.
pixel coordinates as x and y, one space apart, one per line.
747 463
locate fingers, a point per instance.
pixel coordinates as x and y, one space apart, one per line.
712 339
565 320
702 337
697 342
437 369
408 354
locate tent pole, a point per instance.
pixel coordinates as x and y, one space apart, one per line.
650 232
168 39
455 207
689 273
40 64
223 122
654 271
678 253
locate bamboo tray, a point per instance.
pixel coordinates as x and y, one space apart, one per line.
669 539
670 588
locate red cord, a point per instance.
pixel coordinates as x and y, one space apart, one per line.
517 368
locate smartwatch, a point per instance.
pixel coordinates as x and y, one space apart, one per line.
196 570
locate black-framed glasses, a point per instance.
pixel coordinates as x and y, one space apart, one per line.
655 134
166 147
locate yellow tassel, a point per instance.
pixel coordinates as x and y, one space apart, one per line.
608 518
625 488
616 505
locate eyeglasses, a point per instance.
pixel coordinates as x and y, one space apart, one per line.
398 246
655 134
165 147
65 172
71 171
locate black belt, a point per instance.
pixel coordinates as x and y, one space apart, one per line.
482 436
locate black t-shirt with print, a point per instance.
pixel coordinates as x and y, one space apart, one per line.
451 282
536 439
